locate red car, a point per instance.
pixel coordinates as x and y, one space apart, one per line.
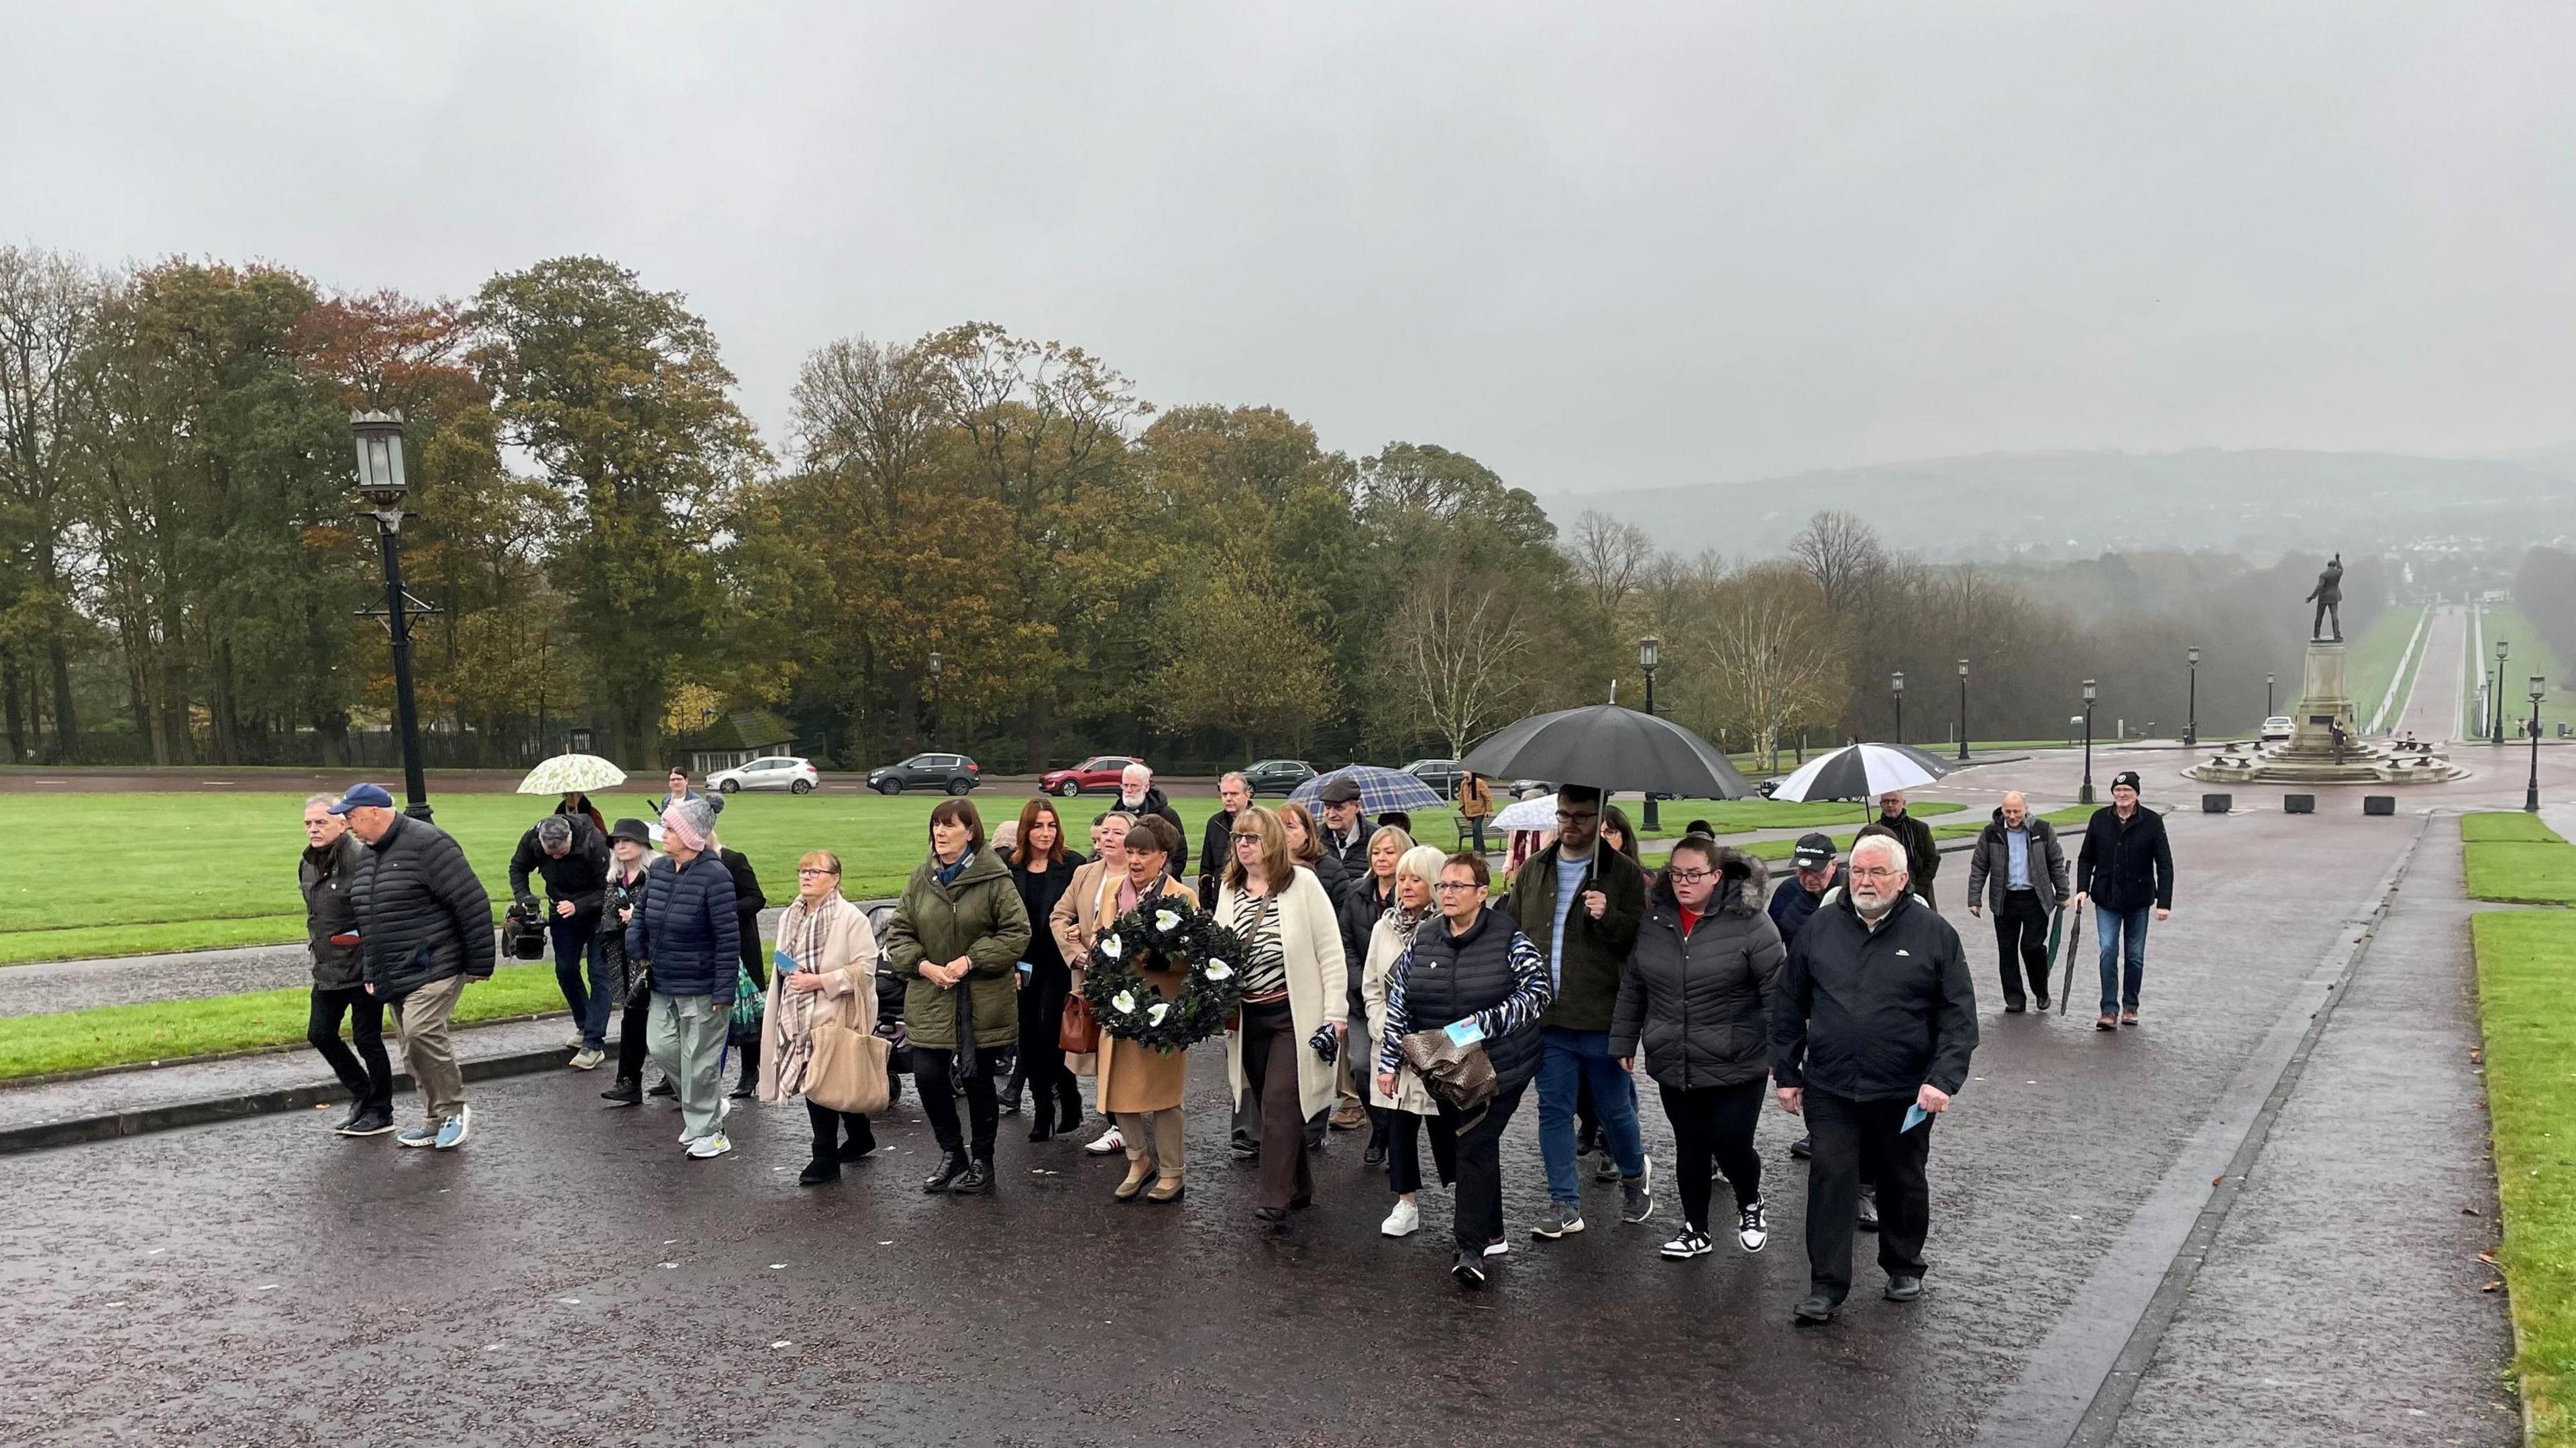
1099 772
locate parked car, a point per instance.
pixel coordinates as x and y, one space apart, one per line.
1277 776
1099 772
2278 729
1441 774
778 771
954 773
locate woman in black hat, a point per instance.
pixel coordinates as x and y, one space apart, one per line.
630 849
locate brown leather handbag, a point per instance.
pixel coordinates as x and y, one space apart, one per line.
1079 1033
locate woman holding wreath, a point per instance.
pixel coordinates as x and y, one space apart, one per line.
827 970
1295 1000
1139 1085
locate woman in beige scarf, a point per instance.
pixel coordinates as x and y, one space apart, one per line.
826 970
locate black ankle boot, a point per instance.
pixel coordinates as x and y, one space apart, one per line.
818 1171
1043 1124
627 1092
1009 1095
976 1181
951 1167
1069 1111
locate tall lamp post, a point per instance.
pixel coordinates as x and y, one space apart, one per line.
934 698
2087 796
1650 652
2191 715
2498 732
380 482
1896 686
2531 792
2267 696
1963 711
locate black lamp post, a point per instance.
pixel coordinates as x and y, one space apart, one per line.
2498 733
1963 711
380 482
1650 652
2268 710
2087 796
1896 686
2531 792
2191 715
934 698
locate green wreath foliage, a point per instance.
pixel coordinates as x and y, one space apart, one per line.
1165 934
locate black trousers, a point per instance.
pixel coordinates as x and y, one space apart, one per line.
1051 1082
1714 1125
1404 1132
367 1072
1479 1213
632 1024
2021 938
939 1100
756 961
832 1127
1849 1134
1270 1048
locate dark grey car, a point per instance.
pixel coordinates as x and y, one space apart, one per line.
951 773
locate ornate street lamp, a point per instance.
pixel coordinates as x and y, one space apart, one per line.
1650 652
1896 686
2087 796
2531 792
1963 711
380 483
2191 716
2498 733
934 698
2268 710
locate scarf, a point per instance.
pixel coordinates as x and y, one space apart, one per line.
791 1025
947 874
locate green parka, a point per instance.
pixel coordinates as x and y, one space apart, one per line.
978 916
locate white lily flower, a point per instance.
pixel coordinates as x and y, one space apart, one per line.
1110 946
1160 1010
1219 970
1124 1002
1165 920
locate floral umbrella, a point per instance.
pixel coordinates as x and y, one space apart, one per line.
566 773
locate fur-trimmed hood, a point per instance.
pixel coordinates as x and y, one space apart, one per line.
1743 885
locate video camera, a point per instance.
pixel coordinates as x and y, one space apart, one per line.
523 931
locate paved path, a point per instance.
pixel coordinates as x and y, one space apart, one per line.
2433 701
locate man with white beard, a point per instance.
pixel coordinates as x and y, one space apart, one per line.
1875 1017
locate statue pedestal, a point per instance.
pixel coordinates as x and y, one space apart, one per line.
2323 704
2308 756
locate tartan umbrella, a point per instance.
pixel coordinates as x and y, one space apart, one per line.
1381 789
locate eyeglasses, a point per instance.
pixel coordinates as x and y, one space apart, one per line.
814 870
1567 816
1689 877
1246 838
1879 874
1448 885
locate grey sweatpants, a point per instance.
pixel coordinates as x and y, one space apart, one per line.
688 1036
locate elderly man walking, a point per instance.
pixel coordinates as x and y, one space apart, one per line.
2125 868
572 858
1922 851
425 926
1875 1017
2019 869
326 874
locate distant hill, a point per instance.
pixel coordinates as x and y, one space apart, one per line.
2072 504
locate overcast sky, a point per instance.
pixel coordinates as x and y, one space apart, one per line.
1595 246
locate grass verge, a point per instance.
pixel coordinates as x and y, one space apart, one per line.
2513 857
2527 1003
163 1030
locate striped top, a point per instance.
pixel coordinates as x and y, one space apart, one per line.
1265 964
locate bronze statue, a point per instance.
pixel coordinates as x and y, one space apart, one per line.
2328 595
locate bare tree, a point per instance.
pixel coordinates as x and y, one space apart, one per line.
1455 649
1841 553
1774 651
1609 557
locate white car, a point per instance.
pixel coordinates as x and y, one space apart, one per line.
2277 729
779 771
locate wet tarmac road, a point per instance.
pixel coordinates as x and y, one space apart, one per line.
516 1292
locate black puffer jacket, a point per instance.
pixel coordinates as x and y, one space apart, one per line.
687 928
580 876
1358 913
325 876
1701 1004
422 916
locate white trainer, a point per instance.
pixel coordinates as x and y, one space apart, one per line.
713 1144
1404 1221
1110 1140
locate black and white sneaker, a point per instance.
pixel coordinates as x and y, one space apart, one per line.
1560 1221
1691 1243
1469 1269
1752 1231
1637 1194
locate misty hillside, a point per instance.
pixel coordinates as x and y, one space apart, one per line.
2069 504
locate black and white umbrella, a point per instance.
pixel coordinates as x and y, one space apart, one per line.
1858 771
1609 748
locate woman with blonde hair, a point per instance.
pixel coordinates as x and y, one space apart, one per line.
826 969
1295 1001
1417 876
1369 897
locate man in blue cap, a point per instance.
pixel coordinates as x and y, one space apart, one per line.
425 925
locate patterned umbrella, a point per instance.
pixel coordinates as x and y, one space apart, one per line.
1858 771
1381 789
566 773
1527 814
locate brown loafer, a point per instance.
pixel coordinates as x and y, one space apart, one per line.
2128 1018
1350 1116
1166 1191
1137 1176
2107 1023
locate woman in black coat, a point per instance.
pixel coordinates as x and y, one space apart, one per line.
748 902
1041 868
1697 995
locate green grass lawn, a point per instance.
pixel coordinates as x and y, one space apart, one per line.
160 1031
2527 1001
2526 656
2513 856
2373 659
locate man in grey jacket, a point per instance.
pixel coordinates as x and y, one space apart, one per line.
2019 869
425 927
328 869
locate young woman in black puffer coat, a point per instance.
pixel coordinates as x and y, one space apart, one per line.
1697 996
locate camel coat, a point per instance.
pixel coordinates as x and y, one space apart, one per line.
849 969
1133 1077
1387 944
1075 924
1319 983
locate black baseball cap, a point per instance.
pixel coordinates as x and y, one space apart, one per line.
1814 851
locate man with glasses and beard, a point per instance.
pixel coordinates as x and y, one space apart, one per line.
1875 1018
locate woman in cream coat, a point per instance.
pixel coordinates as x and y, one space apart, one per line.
1416 871
1296 984
826 969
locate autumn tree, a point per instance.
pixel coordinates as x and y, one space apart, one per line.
48 311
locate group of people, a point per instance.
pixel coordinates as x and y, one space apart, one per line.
1842 989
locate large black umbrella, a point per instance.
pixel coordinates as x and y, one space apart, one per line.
1608 747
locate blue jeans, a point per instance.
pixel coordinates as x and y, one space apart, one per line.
573 937
2124 954
1565 1060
